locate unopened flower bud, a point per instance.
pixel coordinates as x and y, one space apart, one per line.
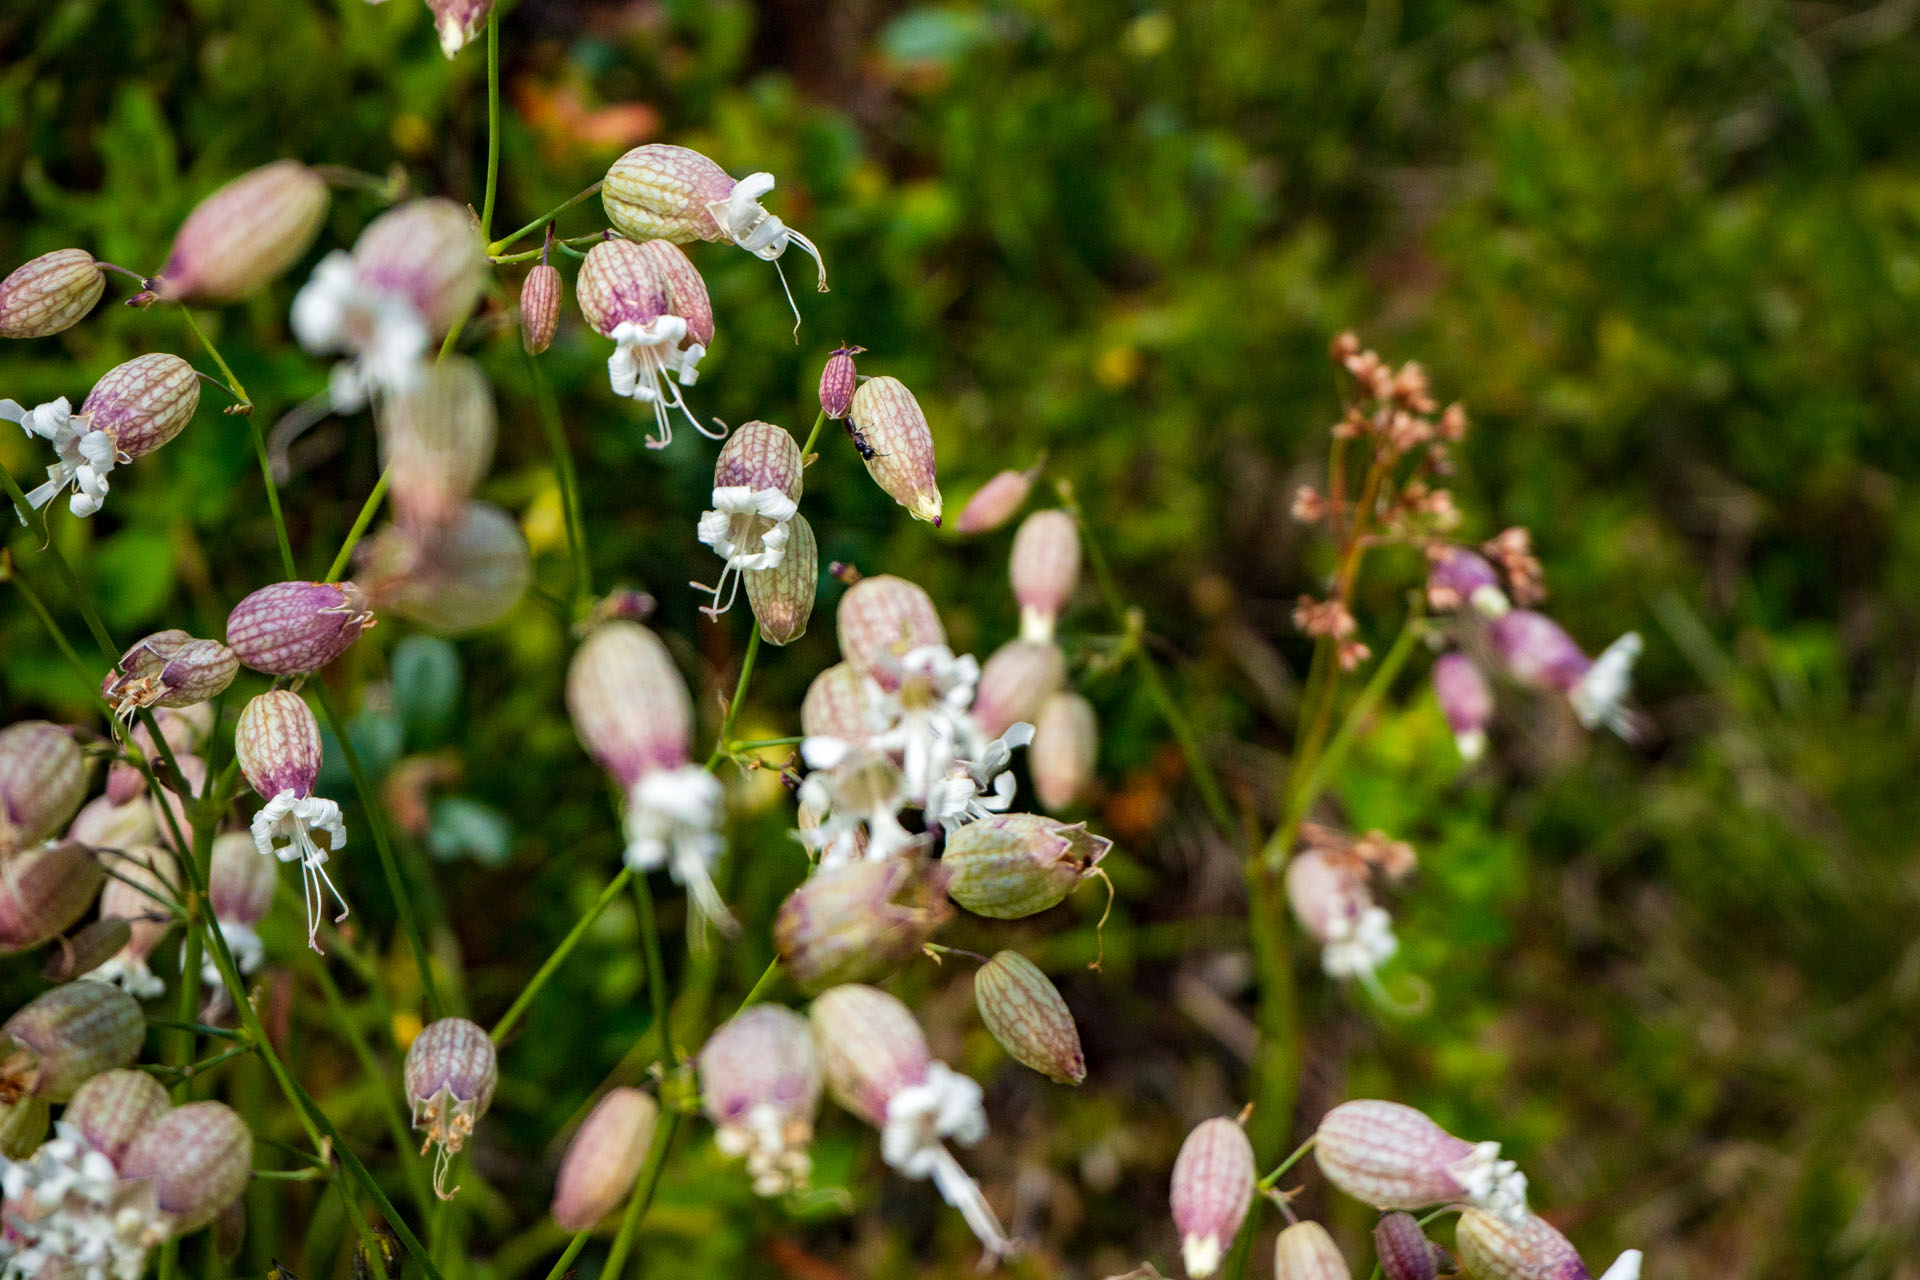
782 597
277 743
1466 700
858 920
450 1073
43 779
882 618
1304 1251
23 1127
169 669
756 491
458 22
199 1157
837 382
1066 742
295 628
877 1066
1494 1248
51 293
1018 864
67 1036
1017 678
1045 568
997 501
540 307
428 253
676 194
143 892
460 579
436 443
625 294
629 704
239 239
116 1107
897 445
1404 1251
43 891
103 824
760 1084
1213 1179
1458 579
603 1160
839 704
1392 1156
1023 1010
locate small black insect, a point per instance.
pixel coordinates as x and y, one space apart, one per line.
860 444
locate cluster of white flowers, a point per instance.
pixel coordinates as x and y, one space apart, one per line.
67 1212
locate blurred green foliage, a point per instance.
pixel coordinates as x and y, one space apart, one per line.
1668 252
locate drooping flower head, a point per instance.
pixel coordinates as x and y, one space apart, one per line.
625 295
686 298
1066 742
858 921
838 378
1018 677
436 443
240 888
756 493
64 1037
1045 568
451 1070
1304 1251
1329 894
43 779
897 445
294 628
1012 865
459 22
44 891
1393 1156
997 501
134 409
461 578
169 669
760 1085
631 710
877 1065
1458 578
277 742
1466 700
1024 1011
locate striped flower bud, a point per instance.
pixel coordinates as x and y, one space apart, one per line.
603 1161
240 887
295 628
67 1036
1404 1251
199 1157
625 294
1536 651
540 307
23 1127
242 237
436 443
51 293
144 892
893 437
43 891
43 779
133 410
686 298
1019 864
631 710
1466 700
116 1107
1331 900
782 597
1066 744
1304 1251
1213 1179
102 824
1023 1010
857 921
1458 579
169 669
1494 1248
1017 678
877 1065
756 492
839 704
277 742
880 620
463 578
676 194
415 271
1392 1156
450 1073
996 502
838 379
1045 568
459 22
760 1084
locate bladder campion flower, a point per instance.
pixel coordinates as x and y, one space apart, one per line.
450 1073
277 742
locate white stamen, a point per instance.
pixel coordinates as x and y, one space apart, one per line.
1494 1184
283 830
749 529
643 357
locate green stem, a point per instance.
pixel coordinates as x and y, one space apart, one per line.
549 412
1272 1180
813 437
493 120
52 628
739 698
642 1197
498 246
338 568
273 500
574 1246
363 1054
370 803
566 246
560 953
763 744
233 384
656 970
760 985
36 521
